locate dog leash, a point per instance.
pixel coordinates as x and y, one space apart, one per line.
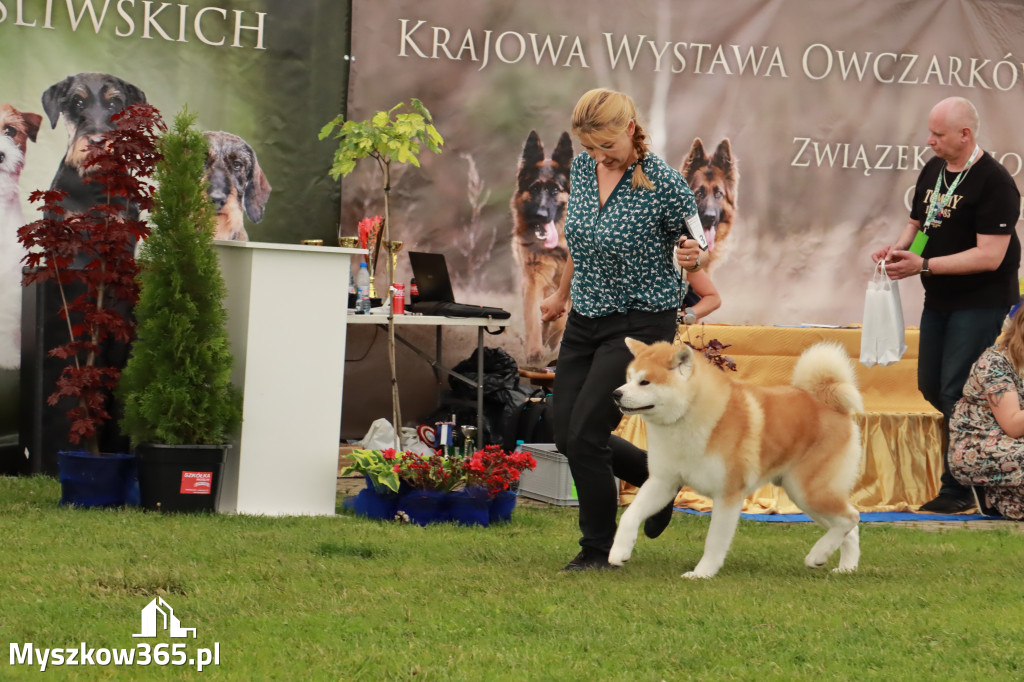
681 314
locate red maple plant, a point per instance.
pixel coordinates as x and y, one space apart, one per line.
712 350
96 248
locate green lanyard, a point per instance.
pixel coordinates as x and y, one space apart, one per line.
935 206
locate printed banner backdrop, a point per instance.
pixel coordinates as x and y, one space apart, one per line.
270 72
823 106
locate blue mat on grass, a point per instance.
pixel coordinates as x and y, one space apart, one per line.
865 517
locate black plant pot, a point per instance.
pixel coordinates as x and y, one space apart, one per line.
180 478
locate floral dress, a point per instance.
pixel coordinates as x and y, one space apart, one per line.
980 452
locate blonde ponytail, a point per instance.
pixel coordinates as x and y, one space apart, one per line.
640 178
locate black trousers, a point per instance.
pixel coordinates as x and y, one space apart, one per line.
592 363
950 344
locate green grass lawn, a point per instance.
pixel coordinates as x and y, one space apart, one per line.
345 598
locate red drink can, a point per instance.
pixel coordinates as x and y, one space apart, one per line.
398 300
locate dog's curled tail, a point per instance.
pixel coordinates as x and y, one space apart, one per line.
824 370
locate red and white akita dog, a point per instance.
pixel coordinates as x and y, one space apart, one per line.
726 438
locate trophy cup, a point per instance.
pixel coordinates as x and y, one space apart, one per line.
348 242
393 248
372 258
469 443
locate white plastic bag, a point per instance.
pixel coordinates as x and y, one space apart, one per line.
882 337
381 436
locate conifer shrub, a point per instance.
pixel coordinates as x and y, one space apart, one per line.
176 387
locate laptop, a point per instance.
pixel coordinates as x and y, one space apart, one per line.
435 290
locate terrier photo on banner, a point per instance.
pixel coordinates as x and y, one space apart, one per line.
237 184
17 129
86 101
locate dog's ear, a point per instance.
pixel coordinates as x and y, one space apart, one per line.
635 346
32 123
682 358
133 95
532 157
256 192
52 98
563 153
695 159
723 156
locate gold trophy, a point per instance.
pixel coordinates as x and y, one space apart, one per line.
393 248
348 242
373 245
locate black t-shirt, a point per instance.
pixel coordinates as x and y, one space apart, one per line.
985 202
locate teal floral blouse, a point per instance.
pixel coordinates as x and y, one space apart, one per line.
622 253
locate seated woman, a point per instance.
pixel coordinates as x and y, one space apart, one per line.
986 447
701 299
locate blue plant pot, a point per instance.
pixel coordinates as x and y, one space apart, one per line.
471 506
502 506
425 506
374 505
88 480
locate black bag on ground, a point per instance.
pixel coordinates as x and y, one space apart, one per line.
501 377
530 422
502 394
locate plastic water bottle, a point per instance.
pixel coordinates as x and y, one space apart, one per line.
363 290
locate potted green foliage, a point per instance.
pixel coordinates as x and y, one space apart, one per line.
392 136
180 407
89 254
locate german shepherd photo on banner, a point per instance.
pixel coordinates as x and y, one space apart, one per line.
538 239
714 182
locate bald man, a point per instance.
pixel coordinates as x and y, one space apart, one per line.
961 240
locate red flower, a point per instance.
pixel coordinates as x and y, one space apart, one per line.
495 469
431 472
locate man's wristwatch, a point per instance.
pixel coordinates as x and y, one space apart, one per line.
925 271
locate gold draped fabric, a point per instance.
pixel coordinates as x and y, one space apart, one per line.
901 433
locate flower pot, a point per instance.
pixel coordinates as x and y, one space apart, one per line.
470 506
373 505
88 480
373 502
180 478
424 506
502 506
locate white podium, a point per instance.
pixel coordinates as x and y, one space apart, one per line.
286 309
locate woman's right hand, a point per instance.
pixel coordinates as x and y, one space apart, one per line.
553 307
